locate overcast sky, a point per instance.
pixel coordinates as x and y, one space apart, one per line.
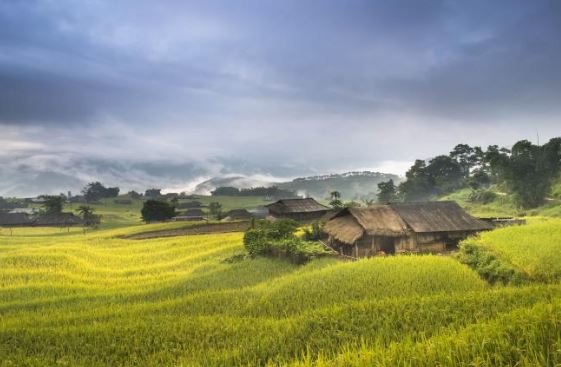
167 93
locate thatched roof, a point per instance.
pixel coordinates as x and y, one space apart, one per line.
438 216
238 214
348 225
345 229
286 206
61 219
395 220
14 219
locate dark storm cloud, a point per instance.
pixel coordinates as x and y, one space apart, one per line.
268 87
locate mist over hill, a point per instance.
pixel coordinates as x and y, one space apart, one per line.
352 185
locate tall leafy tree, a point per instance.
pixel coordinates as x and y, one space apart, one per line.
418 184
52 204
95 191
387 192
156 210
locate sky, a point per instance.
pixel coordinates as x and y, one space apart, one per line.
169 93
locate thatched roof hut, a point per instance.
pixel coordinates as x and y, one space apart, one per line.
403 227
58 220
14 219
191 215
297 209
238 214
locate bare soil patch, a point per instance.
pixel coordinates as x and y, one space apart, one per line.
203 228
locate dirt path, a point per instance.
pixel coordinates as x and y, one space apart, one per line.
191 230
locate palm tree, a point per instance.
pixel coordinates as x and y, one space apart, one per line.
335 195
85 211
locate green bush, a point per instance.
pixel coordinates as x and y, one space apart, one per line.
277 239
482 196
313 232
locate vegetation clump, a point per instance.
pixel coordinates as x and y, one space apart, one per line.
157 210
278 239
488 266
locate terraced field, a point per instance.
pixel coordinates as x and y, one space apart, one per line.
533 249
74 299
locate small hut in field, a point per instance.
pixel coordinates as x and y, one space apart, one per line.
238 214
400 228
298 209
191 215
58 220
15 220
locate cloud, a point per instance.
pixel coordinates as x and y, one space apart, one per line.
171 92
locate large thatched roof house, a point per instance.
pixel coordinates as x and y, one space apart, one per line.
401 227
15 219
297 209
58 220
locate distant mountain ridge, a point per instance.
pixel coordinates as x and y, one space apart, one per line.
354 185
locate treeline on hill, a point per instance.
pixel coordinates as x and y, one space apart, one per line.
526 170
95 191
272 191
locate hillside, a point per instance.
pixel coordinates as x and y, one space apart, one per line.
351 185
98 300
500 203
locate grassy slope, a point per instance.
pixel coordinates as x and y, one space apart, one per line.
72 299
504 205
94 299
534 249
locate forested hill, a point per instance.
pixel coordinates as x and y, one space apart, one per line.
525 177
351 185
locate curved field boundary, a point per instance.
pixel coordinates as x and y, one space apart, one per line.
204 228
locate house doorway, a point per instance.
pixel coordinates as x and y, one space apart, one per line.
387 245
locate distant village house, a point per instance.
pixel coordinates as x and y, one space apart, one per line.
301 210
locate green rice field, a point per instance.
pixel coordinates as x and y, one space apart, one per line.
97 299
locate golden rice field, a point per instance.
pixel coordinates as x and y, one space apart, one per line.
74 299
534 249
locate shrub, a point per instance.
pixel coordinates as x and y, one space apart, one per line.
313 232
482 196
278 239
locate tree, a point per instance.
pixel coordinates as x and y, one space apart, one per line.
134 195
418 185
156 210
88 216
528 174
95 191
335 202
153 193
52 204
215 209
445 174
467 157
387 192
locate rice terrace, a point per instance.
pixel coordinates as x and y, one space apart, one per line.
334 183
